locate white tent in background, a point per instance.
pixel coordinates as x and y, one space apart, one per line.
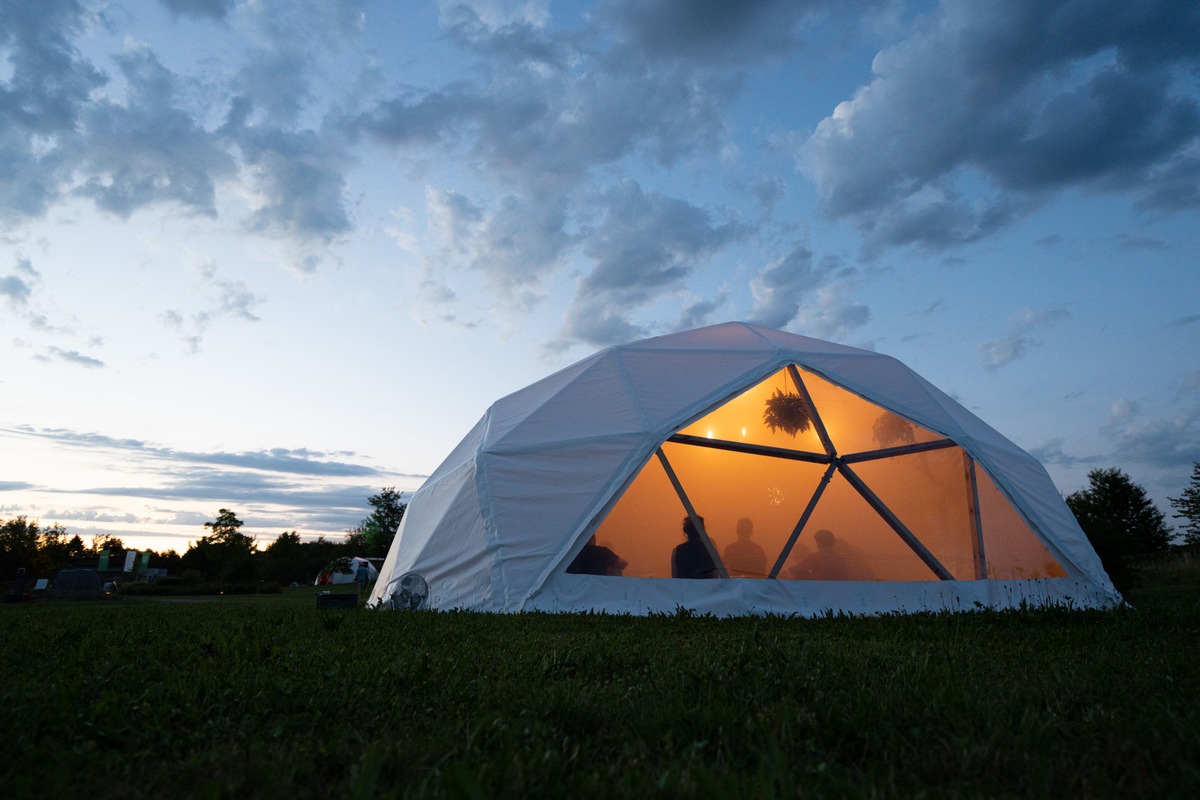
344 571
816 477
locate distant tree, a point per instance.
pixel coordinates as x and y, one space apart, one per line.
284 560
1120 521
379 529
19 548
226 529
225 554
356 538
57 550
1188 506
105 541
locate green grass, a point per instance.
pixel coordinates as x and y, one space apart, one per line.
264 696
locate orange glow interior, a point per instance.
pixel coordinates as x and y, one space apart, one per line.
751 500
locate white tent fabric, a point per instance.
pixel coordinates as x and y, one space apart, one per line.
495 527
346 575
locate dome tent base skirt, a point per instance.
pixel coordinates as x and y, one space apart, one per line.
747 597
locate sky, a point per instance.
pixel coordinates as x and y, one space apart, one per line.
275 255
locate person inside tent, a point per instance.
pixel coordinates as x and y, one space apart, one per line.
745 558
595 559
833 561
691 559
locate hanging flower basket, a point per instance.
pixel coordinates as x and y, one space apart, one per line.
787 412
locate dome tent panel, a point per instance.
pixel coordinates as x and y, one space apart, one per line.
932 495
595 399
727 487
742 418
664 381
1010 546
644 525
541 496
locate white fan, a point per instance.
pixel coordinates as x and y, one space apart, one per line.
411 593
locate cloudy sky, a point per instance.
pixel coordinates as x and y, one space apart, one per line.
274 255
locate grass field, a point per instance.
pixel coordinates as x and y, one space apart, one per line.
264 696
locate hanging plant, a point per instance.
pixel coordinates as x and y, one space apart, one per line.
787 412
890 429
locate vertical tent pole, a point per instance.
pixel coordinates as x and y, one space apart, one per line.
975 518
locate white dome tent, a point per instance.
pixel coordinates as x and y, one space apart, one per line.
814 477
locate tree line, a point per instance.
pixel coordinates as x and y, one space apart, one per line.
1118 517
223 555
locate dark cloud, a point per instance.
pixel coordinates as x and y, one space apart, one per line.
701 312
709 31
40 103
276 460
779 289
213 9
645 246
1166 443
298 178
1034 97
1052 452
149 150
16 290
143 141
14 486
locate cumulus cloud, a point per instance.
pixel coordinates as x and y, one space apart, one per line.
1167 442
148 150
1030 98
1019 340
832 314
139 137
644 247
779 289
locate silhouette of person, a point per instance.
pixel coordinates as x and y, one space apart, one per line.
744 558
833 561
691 559
595 559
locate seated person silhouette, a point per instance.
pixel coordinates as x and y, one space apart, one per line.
833 561
594 559
744 558
691 559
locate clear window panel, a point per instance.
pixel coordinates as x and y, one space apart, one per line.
750 503
744 418
1013 551
931 494
856 425
845 539
645 524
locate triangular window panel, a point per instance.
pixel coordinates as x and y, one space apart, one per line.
1013 551
644 526
845 539
856 425
769 414
930 493
750 503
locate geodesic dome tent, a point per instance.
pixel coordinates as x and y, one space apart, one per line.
815 477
